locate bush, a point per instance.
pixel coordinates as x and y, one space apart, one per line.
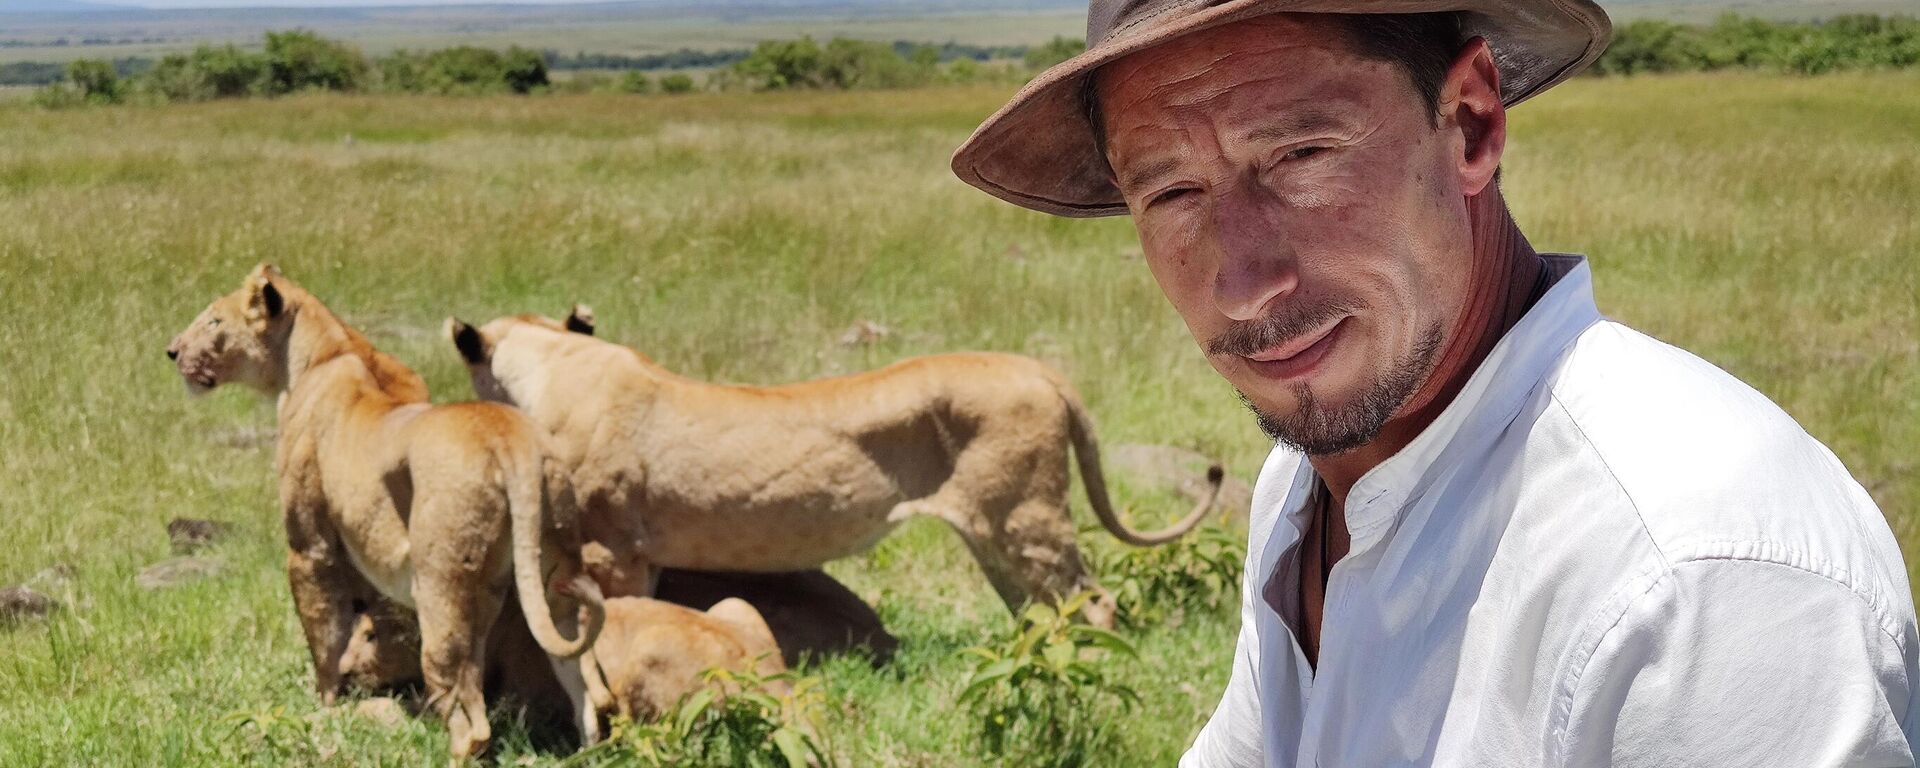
780 64
58 96
747 728
96 80
1039 695
635 82
464 70
1054 51
676 83
1733 41
208 73
301 60
1152 586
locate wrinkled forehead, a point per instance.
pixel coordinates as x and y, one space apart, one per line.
1257 69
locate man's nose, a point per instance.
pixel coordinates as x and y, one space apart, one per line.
1257 261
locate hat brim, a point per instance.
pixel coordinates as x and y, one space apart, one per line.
1039 151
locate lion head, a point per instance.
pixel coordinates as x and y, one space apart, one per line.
234 338
476 344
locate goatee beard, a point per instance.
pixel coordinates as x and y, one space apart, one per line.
1318 431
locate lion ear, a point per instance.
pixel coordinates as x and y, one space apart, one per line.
473 349
580 320
266 302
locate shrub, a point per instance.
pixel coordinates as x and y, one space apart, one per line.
1054 51
208 73
465 70
301 60
58 96
676 83
635 81
780 64
1040 695
747 728
1158 585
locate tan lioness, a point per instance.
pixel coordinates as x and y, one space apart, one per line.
654 652
437 508
675 472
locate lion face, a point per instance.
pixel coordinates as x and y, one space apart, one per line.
231 340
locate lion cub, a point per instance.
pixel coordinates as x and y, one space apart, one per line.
440 509
653 652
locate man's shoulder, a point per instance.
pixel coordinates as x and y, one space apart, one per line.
1710 466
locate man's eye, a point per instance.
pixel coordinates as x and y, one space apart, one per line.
1170 195
1303 153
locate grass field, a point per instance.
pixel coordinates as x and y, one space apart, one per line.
1767 224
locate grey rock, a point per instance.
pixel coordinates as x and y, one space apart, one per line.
20 603
176 571
189 535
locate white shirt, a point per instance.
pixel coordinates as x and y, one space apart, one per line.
1605 551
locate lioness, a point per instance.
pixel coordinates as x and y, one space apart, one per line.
435 507
675 472
653 652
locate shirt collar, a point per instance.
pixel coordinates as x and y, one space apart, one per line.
1515 367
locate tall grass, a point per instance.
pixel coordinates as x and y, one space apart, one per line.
1765 223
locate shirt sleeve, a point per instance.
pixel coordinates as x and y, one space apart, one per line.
1726 662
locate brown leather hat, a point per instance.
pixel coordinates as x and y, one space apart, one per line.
1038 151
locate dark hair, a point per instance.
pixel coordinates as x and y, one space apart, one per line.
1423 44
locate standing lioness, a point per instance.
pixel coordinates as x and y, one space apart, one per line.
437 508
680 473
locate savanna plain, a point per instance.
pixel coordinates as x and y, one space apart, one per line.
1770 224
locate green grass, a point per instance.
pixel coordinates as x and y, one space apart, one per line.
1765 223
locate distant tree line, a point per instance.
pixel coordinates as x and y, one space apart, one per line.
291 62
295 61
1737 42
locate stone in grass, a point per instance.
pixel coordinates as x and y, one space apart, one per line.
20 603
189 535
175 571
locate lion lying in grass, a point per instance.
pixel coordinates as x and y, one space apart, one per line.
438 508
680 473
653 652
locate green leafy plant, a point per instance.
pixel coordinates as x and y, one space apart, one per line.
1041 694
730 721
1158 585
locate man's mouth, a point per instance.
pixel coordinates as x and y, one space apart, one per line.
1298 356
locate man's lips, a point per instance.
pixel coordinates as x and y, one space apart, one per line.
1296 357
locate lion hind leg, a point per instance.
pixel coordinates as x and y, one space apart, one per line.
453 641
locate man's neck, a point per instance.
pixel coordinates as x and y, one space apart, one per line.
1505 271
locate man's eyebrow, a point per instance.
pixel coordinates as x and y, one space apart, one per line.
1296 123
1135 178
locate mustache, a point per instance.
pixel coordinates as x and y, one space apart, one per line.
1249 337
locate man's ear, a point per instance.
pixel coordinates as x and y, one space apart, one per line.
580 320
473 349
1470 99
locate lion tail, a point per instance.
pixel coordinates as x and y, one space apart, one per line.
1086 450
527 500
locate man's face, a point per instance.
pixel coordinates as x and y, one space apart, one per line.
1303 212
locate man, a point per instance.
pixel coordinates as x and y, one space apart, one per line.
1499 530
